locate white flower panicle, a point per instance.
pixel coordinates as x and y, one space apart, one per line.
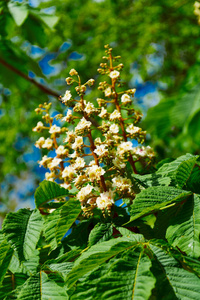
94 155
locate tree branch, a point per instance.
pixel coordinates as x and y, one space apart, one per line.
39 85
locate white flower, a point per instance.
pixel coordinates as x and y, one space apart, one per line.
83 124
118 163
68 117
40 142
92 163
54 129
49 176
73 72
65 185
68 172
79 163
44 160
74 154
95 172
105 200
67 97
133 129
54 163
103 113
48 143
108 92
84 192
125 99
70 137
116 115
124 147
121 183
78 142
89 108
39 126
101 150
61 150
114 74
114 128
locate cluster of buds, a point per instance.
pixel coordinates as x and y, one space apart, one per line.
94 149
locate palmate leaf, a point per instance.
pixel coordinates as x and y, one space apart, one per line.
22 229
184 171
155 198
173 281
184 230
48 191
96 256
50 224
126 276
153 179
5 257
40 287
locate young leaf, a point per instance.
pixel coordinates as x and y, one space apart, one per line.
22 229
184 230
41 287
68 215
154 198
48 191
97 255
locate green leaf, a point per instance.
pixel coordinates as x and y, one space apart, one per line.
155 198
28 267
18 12
96 255
170 169
184 230
68 215
184 171
182 284
22 229
153 179
50 225
11 285
5 258
41 287
100 233
128 278
48 191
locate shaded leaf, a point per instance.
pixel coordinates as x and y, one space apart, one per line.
184 230
5 258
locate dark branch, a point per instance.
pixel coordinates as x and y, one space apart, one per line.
39 85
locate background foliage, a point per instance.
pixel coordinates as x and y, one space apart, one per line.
40 41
